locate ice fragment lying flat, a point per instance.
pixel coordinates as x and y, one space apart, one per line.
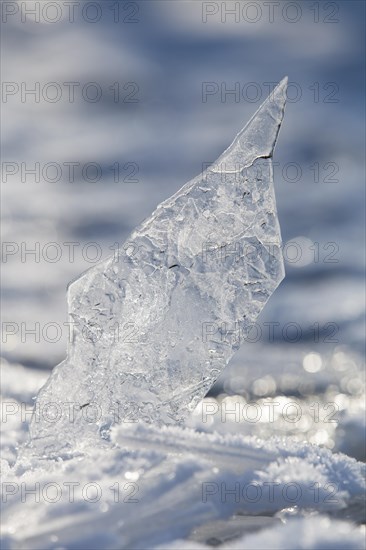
155 326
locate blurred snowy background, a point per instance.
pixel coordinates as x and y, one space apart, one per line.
158 110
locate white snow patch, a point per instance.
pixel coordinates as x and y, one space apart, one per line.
152 486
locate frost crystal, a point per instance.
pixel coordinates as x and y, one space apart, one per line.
154 326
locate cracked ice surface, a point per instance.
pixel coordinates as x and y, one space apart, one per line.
155 325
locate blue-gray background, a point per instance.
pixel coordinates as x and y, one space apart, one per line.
164 52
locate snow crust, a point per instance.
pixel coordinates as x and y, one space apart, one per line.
151 486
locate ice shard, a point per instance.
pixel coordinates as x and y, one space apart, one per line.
155 325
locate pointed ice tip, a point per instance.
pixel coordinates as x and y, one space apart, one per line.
279 93
283 83
258 138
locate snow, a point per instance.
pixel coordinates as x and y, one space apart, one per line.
350 433
152 486
307 533
311 533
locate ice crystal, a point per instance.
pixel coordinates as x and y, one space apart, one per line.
155 325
